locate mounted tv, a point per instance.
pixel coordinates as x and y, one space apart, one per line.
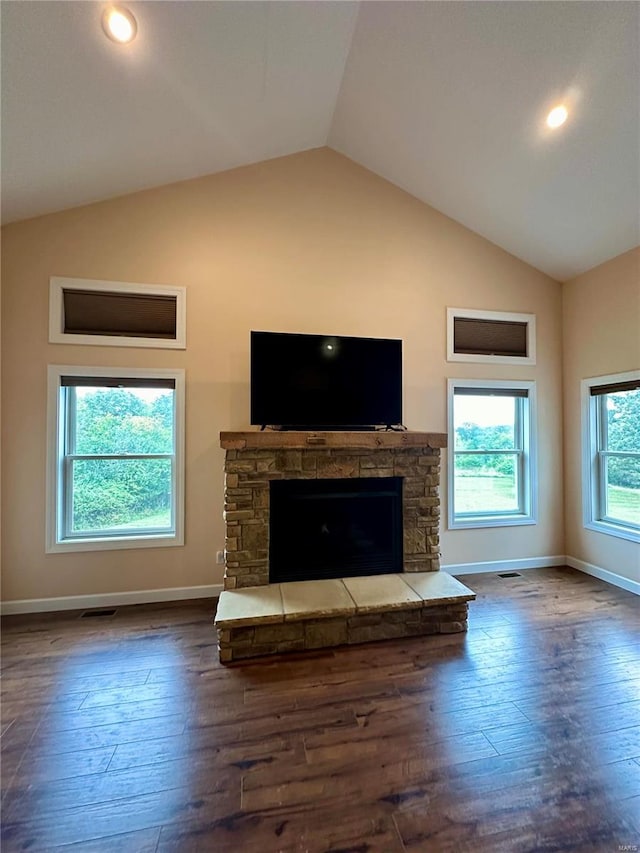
324 381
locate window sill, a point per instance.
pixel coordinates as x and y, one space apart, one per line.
616 530
476 358
486 521
115 543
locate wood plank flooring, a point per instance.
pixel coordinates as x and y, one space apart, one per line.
124 733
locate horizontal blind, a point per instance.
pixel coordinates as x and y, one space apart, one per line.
115 382
473 336
615 387
491 392
97 312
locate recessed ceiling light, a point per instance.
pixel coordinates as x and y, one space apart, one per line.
557 116
119 24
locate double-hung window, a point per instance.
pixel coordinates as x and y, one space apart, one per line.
492 473
611 454
115 462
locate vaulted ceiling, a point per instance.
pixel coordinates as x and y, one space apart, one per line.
447 100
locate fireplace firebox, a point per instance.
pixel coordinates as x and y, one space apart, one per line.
334 528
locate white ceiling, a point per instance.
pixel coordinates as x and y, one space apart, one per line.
204 87
446 100
449 100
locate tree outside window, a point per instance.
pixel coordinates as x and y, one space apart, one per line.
118 467
612 456
120 459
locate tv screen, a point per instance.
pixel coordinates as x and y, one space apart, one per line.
325 381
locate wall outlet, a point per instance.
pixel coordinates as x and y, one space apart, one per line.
220 558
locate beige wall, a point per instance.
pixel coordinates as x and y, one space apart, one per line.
601 331
307 243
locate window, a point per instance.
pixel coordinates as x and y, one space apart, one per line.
611 454
116 313
490 337
492 472
115 461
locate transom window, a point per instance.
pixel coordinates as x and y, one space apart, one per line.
612 454
116 314
116 472
490 337
491 453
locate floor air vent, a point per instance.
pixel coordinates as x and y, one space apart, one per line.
88 613
510 575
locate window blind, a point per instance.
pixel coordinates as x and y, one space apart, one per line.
491 392
115 382
614 387
489 337
96 312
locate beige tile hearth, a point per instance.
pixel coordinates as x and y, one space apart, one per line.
303 615
381 592
315 599
304 601
247 606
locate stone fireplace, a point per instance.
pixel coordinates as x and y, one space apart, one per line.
332 538
256 459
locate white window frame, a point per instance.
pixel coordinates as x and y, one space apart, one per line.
593 460
55 517
501 316
57 335
528 469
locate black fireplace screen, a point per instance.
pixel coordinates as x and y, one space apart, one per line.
335 528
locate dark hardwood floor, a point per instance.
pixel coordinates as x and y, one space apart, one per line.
124 733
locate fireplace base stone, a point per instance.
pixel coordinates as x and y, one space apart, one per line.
236 644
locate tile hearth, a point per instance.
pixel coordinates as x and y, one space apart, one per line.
304 615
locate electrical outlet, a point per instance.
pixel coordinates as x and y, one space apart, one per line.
220 558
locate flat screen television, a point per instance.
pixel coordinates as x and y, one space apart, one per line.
333 382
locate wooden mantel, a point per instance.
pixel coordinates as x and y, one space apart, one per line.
301 440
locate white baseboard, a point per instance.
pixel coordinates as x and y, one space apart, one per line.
149 596
603 575
505 565
109 599
543 563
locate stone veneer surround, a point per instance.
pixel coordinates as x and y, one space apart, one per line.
253 459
